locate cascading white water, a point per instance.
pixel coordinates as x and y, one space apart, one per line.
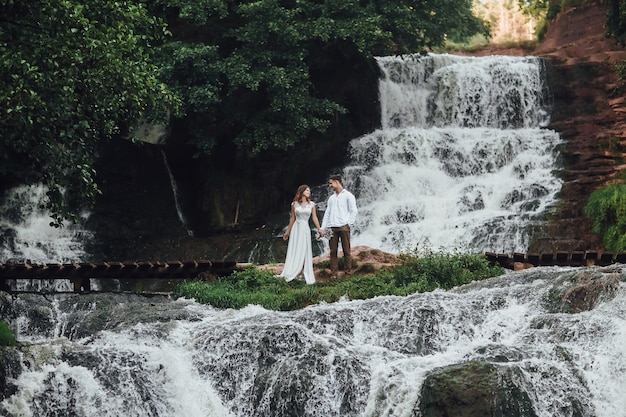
26 236
463 158
163 358
179 210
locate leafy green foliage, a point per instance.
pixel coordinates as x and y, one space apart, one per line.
551 8
616 20
415 274
258 58
620 70
6 335
606 209
536 8
442 270
72 73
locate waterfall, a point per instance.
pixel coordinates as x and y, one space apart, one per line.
26 236
463 158
179 210
111 355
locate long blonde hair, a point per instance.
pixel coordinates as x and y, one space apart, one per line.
300 193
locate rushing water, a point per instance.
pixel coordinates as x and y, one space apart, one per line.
26 236
179 211
113 355
463 158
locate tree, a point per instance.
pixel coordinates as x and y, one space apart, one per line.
72 73
534 8
616 20
244 68
507 20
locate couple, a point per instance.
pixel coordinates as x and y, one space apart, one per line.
339 217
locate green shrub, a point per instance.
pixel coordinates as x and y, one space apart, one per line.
620 70
6 335
416 273
606 209
442 270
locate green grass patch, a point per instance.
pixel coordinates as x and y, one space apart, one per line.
417 273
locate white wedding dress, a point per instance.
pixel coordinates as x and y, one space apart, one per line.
299 249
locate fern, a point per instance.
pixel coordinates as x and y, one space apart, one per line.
606 209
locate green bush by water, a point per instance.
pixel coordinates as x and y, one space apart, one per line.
6 335
606 209
416 273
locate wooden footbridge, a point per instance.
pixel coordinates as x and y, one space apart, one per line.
80 274
577 258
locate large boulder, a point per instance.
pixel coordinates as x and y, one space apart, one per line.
475 389
583 291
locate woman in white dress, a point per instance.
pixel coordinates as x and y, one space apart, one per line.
299 249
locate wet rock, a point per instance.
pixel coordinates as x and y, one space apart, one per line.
583 292
10 368
474 389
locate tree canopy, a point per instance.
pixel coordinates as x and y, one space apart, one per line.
72 73
243 68
616 20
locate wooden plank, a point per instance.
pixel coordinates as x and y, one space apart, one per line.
519 257
577 258
547 259
591 257
491 257
533 259
562 258
606 258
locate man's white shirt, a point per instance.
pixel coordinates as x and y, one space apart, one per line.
340 210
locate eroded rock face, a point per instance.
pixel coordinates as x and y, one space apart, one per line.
589 113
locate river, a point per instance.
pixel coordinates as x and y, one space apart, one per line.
119 354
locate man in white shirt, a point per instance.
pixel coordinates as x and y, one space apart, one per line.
339 216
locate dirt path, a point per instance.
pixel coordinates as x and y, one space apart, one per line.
368 261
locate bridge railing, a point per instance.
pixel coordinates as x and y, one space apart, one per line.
81 273
575 258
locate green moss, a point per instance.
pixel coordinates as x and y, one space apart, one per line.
6 335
